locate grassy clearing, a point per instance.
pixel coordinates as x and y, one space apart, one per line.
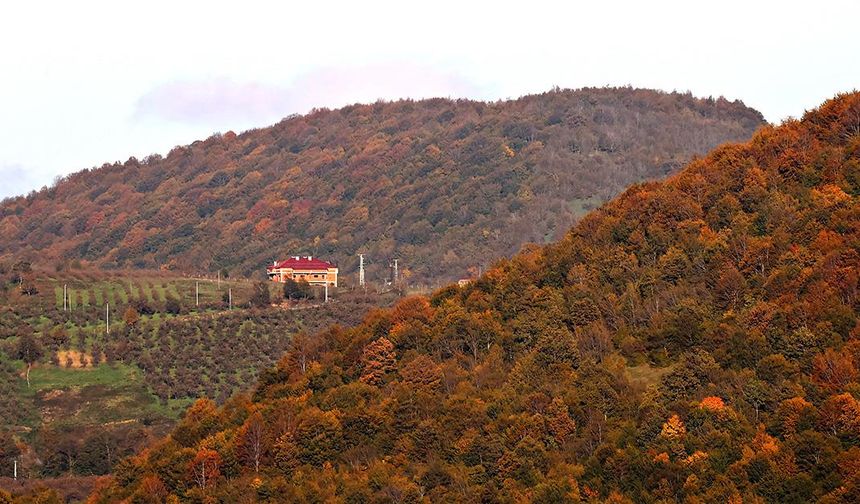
146 289
159 292
109 295
120 294
52 377
133 290
174 409
647 375
89 292
85 298
580 207
96 395
209 291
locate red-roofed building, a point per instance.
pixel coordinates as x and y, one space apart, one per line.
312 271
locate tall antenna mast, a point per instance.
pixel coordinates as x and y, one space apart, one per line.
361 270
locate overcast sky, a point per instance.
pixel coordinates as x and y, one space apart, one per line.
83 83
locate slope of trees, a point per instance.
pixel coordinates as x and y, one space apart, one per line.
217 355
442 184
694 340
97 398
186 357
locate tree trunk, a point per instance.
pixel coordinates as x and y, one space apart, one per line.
29 365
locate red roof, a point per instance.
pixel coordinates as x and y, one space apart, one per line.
302 263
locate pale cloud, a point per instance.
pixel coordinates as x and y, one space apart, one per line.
224 101
17 179
98 80
215 100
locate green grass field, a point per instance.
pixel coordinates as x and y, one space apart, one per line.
133 290
93 291
93 396
51 377
111 405
171 290
647 375
120 295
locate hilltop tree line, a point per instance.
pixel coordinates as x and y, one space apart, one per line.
695 340
441 184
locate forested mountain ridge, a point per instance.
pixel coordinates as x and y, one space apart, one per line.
441 184
693 340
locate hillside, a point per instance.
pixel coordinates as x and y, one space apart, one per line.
693 340
94 398
443 185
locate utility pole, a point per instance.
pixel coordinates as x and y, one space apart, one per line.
326 292
361 270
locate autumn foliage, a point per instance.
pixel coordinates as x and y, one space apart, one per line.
445 185
694 340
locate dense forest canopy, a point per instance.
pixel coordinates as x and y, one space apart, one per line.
442 184
693 340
